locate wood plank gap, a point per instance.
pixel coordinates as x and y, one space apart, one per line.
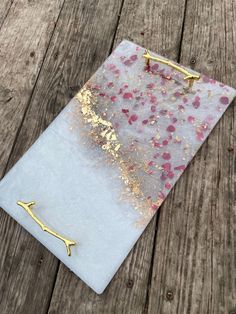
151 264
158 214
27 106
182 31
117 23
53 286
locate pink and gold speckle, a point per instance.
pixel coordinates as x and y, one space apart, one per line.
145 120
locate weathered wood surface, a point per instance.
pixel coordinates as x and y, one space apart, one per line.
186 260
195 248
5 6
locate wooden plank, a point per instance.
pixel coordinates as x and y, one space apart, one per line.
24 37
77 48
194 267
149 24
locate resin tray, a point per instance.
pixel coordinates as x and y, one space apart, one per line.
97 175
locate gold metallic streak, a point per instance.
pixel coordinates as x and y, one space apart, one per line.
29 209
103 127
189 76
104 133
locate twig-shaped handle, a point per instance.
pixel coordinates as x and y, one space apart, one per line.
29 209
188 76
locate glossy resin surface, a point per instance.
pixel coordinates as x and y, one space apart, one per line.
103 167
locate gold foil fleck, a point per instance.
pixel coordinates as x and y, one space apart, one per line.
103 132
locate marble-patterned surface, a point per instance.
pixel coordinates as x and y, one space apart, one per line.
103 167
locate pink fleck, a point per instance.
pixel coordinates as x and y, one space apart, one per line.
191 119
181 167
170 128
163 112
117 72
111 66
224 100
200 136
151 163
163 177
174 120
96 86
185 99
125 110
206 79
133 57
153 100
156 155
131 168
153 108
128 96
133 118
155 67
165 142
127 62
110 84
144 121
166 156
166 166
177 94
154 206
181 107
151 86
170 174
196 102
161 195
168 185
113 98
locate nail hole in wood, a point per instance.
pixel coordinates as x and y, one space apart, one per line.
169 295
130 283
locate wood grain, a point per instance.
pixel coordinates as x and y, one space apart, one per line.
194 269
5 6
127 292
76 49
185 261
24 39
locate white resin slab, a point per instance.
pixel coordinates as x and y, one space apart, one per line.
80 197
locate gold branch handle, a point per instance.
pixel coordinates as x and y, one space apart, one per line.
29 209
190 77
